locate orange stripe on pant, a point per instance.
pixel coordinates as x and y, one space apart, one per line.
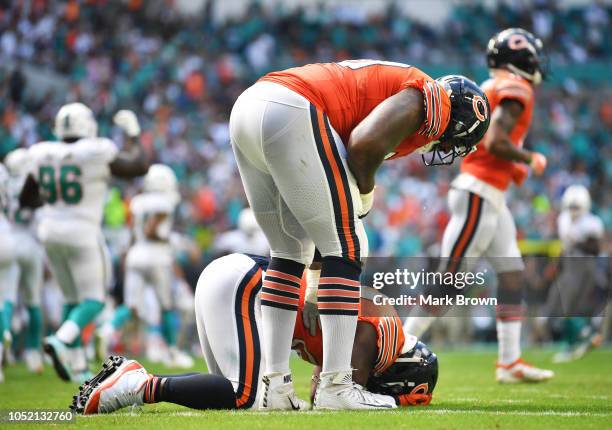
343 194
467 232
249 360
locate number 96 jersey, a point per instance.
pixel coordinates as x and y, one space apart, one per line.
73 181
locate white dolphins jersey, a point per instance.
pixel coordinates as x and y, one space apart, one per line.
148 204
572 232
73 181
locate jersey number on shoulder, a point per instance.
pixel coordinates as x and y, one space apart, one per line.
62 183
358 64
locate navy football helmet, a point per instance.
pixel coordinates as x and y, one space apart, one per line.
469 120
520 52
414 373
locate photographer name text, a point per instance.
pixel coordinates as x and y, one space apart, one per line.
430 300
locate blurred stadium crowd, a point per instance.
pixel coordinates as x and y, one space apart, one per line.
182 74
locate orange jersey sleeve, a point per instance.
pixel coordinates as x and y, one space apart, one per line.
484 165
390 340
348 91
389 343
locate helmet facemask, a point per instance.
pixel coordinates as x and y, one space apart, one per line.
414 372
468 122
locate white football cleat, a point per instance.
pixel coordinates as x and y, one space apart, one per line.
521 371
279 395
60 356
564 356
33 360
119 384
337 391
9 357
594 341
578 352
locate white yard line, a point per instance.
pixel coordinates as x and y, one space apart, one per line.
517 413
419 411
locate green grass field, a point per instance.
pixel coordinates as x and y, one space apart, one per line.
466 398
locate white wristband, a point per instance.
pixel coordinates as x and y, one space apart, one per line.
312 285
367 200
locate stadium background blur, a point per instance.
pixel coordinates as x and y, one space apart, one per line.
180 66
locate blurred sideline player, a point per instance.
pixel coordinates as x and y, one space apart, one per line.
581 233
308 142
150 260
481 223
228 313
7 255
29 261
71 178
247 238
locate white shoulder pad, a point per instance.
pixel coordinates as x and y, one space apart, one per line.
98 149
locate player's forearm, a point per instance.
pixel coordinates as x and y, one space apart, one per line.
364 352
503 148
131 161
363 164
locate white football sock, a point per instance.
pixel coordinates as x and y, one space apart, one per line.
509 341
338 336
68 332
277 326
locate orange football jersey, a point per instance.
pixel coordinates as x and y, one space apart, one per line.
389 334
481 163
348 91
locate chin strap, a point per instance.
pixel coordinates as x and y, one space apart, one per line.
534 78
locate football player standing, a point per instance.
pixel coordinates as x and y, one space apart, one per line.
29 264
71 178
481 223
308 142
7 254
150 260
581 233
